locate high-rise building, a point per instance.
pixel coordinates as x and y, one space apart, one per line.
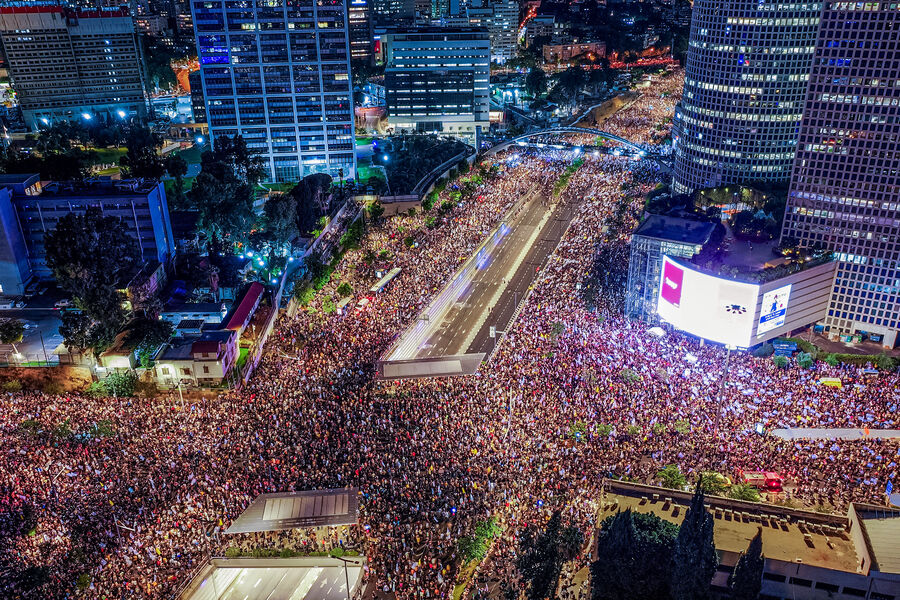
198 102
278 74
845 188
745 80
67 63
362 32
501 19
388 12
437 80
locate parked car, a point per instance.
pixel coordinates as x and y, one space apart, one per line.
64 303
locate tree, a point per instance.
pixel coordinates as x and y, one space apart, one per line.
536 82
671 477
746 580
742 491
805 360
146 336
223 191
11 331
177 167
712 483
90 256
780 361
694 558
634 551
280 213
142 159
542 555
375 210
312 199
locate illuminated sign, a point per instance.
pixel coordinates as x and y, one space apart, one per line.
707 306
774 309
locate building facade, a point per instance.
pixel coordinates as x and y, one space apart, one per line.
845 188
198 102
656 237
279 75
67 63
361 31
501 19
745 81
437 80
36 208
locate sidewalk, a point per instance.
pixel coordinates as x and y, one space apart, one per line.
836 434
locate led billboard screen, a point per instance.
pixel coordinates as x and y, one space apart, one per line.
710 307
774 309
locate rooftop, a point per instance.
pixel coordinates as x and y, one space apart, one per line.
882 531
309 508
90 188
184 348
788 535
675 229
243 309
261 579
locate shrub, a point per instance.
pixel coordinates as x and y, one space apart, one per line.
84 580
740 491
604 429
633 430
412 212
431 222
408 241
429 200
831 359
53 388
446 206
671 477
12 386
764 351
344 290
805 360
305 295
682 426
780 361
328 306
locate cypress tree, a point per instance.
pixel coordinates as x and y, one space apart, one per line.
694 559
746 581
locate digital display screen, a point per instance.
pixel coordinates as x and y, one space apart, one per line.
707 306
774 309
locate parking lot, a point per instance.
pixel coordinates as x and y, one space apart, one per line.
41 319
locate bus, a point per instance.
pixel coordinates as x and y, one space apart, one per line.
384 281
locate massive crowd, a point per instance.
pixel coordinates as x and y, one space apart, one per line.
123 498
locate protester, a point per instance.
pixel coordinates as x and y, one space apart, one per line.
135 493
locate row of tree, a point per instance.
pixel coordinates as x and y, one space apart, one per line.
643 556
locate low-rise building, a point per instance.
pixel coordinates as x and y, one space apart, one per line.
209 312
557 53
807 554
197 360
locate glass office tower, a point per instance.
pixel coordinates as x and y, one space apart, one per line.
845 188
278 73
745 80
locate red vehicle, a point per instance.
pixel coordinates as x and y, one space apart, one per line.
768 481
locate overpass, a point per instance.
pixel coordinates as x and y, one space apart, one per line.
562 131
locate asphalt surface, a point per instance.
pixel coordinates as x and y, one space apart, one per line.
500 284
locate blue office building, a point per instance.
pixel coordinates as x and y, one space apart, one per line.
30 208
278 73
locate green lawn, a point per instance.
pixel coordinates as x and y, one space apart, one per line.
363 141
110 171
109 155
242 358
364 173
190 155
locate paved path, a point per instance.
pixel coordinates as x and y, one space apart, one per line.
835 434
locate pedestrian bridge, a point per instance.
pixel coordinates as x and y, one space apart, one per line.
562 131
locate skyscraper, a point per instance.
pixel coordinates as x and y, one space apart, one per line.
437 80
278 73
67 63
845 188
745 81
362 32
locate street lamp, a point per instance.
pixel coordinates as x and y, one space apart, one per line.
86 116
121 114
346 576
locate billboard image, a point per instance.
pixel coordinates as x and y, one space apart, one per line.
774 309
714 308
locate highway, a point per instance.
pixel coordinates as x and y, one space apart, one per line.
490 293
